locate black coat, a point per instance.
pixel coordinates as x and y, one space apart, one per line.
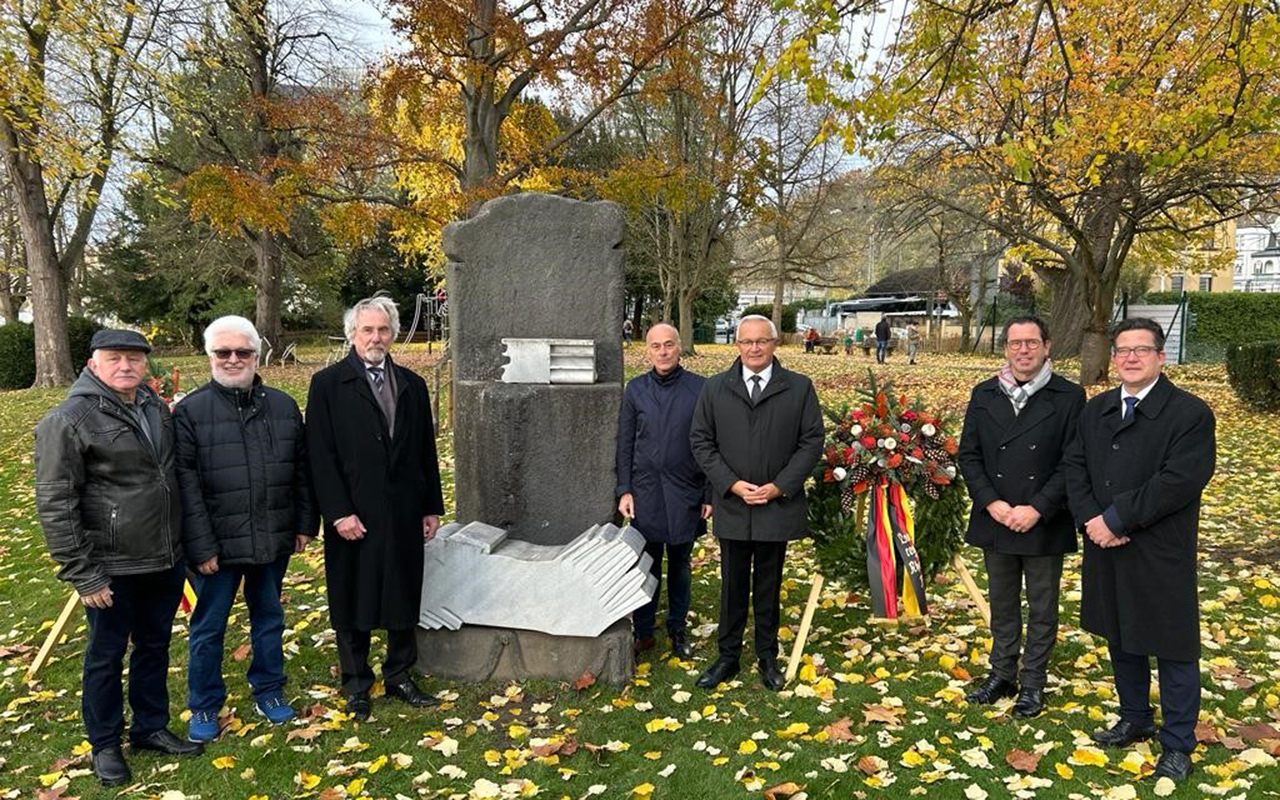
1152 468
243 474
1018 459
654 461
778 440
883 331
391 484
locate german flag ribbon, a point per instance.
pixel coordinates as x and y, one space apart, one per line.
890 540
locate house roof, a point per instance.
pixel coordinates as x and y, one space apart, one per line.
904 282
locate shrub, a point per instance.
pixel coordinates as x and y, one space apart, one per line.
1225 318
17 355
80 331
766 310
1254 372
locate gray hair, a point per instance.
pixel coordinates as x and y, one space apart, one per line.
773 329
379 302
232 324
674 330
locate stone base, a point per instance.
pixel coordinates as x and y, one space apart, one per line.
478 653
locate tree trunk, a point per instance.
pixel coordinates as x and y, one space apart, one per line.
686 321
779 286
266 249
48 284
482 115
1068 312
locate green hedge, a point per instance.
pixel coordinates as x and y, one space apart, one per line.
17 355
80 331
1225 318
1254 372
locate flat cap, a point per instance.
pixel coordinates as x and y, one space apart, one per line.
116 339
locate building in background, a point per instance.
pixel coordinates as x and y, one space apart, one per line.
1257 264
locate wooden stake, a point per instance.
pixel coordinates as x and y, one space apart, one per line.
797 649
55 633
971 587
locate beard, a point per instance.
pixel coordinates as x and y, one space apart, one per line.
242 381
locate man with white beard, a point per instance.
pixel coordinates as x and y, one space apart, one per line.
247 506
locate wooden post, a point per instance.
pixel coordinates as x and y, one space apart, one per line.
797 649
55 633
971 587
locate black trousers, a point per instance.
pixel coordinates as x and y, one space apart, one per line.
142 610
750 571
1005 575
1179 696
353 658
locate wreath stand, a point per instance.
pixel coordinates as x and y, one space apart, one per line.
815 592
64 619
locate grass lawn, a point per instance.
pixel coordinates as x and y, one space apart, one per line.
877 711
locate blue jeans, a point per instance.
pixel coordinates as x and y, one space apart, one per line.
206 689
679 580
882 350
141 612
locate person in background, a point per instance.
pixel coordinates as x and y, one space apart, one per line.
883 334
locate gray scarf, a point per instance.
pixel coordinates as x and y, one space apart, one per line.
1019 395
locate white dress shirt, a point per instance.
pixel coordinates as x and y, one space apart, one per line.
765 374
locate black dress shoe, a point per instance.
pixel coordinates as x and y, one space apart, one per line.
770 675
358 706
408 691
719 672
1030 703
1123 734
110 767
991 690
162 741
1173 764
681 647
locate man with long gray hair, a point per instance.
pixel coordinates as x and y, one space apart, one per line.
246 508
372 446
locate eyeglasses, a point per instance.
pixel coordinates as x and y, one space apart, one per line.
1021 344
1141 351
756 342
243 355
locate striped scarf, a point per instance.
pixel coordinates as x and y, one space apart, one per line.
1019 395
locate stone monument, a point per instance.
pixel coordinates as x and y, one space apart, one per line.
535 293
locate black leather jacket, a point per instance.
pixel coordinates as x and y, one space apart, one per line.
106 497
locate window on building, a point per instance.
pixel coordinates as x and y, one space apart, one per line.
1257 268
1266 267
1239 268
1175 283
1206 283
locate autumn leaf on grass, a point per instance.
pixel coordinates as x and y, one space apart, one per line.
1022 761
644 790
1088 757
870 765
225 762
306 781
782 791
585 682
663 724
881 713
242 652
839 731
1206 733
1257 733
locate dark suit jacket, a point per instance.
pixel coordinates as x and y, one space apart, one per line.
1017 459
778 440
357 468
1151 467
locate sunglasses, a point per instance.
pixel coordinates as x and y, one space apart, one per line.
243 355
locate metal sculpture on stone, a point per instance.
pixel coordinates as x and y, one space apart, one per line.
516 591
480 577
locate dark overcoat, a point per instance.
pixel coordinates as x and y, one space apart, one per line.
1151 467
655 463
1018 459
358 468
778 440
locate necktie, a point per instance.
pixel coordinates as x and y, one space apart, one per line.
1129 404
755 389
378 377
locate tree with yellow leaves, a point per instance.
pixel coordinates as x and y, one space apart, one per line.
1073 129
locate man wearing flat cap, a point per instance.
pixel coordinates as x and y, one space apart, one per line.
107 498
